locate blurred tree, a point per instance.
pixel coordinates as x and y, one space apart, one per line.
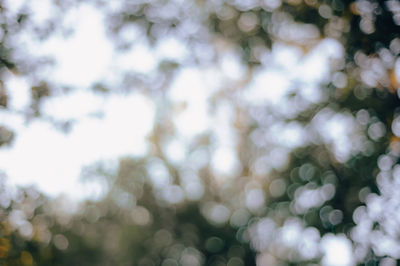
286 198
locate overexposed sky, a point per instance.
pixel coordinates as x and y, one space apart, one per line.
52 160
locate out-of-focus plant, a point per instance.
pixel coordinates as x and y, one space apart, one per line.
277 179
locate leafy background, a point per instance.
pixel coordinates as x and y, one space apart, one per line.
303 175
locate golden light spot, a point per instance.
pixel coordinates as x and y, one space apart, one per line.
395 143
353 9
26 258
394 82
4 248
6 228
294 2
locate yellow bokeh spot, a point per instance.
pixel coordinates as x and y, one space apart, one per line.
394 81
5 228
4 247
26 258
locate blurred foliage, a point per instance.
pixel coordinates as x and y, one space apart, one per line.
281 203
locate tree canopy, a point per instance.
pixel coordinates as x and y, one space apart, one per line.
292 160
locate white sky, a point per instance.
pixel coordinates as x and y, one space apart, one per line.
52 160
